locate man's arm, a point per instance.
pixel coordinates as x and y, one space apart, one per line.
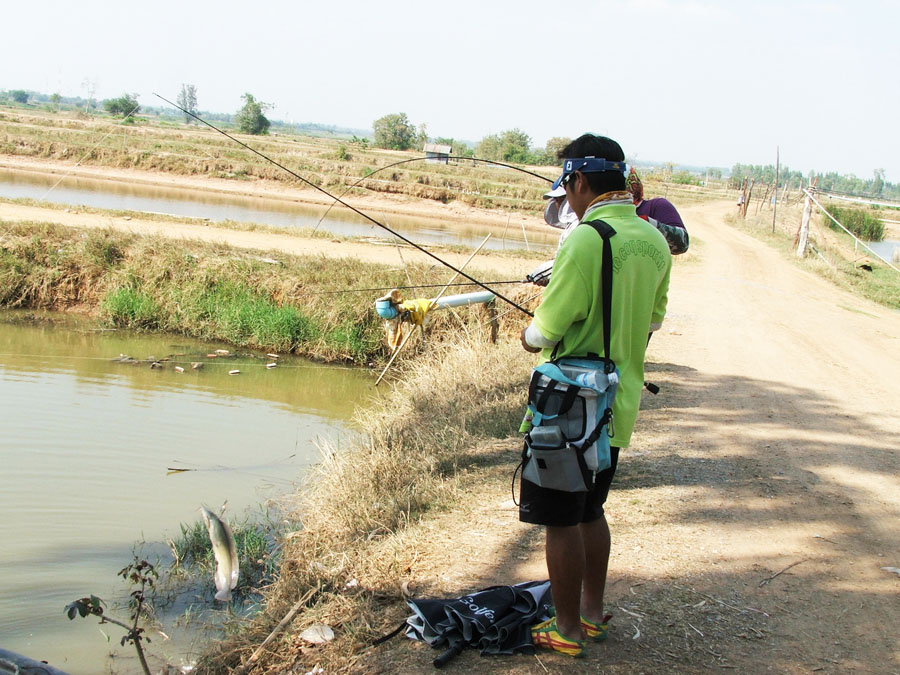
663 215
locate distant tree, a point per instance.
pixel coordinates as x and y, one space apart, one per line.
555 145
19 95
250 118
878 183
509 146
90 88
126 105
421 136
489 148
187 99
394 132
53 105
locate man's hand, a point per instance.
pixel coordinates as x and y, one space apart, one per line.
527 347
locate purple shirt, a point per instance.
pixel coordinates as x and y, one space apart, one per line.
660 209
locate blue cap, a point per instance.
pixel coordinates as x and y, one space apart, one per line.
588 165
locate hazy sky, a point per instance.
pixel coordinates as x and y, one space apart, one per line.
691 81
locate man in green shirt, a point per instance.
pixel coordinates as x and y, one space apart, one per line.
569 322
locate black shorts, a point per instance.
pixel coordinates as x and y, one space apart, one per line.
543 506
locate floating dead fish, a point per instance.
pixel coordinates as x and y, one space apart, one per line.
156 364
222 352
273 356
179 369
317 634
233 372
211 356
271 365
225 553
196 365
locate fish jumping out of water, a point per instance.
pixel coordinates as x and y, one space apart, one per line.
224 552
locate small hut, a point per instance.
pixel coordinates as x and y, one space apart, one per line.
437 154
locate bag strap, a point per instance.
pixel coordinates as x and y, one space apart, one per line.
606 232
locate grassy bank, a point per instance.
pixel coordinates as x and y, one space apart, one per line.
361 506
269 301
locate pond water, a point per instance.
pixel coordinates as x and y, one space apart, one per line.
886 248
217 207
85 447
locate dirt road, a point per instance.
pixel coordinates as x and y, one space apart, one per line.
759 501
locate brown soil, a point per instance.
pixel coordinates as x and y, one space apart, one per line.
758 503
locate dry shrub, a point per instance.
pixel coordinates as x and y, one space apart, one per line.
354 547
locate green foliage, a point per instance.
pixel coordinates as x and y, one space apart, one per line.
512 146
126 105
860 222
830 182
257 546
394 132
19 95
250 118
361 142
342 154
138 572
554 147
187 99
128 308
685 178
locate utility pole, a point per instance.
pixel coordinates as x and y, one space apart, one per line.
775 201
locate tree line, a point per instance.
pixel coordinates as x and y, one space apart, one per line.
831 181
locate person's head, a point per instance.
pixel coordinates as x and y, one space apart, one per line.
635 186
599 168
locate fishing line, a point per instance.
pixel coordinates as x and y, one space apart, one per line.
168 360
403 288
92 148
419 159
352 208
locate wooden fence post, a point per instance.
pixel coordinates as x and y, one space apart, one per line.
803 238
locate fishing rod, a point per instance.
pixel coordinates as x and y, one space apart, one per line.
404 288
352 208
419 159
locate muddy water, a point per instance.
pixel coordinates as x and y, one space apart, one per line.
217 207
85 446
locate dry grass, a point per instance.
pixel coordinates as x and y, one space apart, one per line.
356 544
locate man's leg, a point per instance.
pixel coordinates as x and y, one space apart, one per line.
565 565
596 541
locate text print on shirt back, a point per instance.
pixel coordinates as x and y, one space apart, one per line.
641 248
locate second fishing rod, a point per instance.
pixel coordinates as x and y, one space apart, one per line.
349 206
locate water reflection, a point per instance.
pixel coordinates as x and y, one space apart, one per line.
86 443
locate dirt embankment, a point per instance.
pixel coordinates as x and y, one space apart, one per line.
754 512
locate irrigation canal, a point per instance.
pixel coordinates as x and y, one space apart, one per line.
216 207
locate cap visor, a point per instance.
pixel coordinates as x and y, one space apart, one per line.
556 183
556 192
